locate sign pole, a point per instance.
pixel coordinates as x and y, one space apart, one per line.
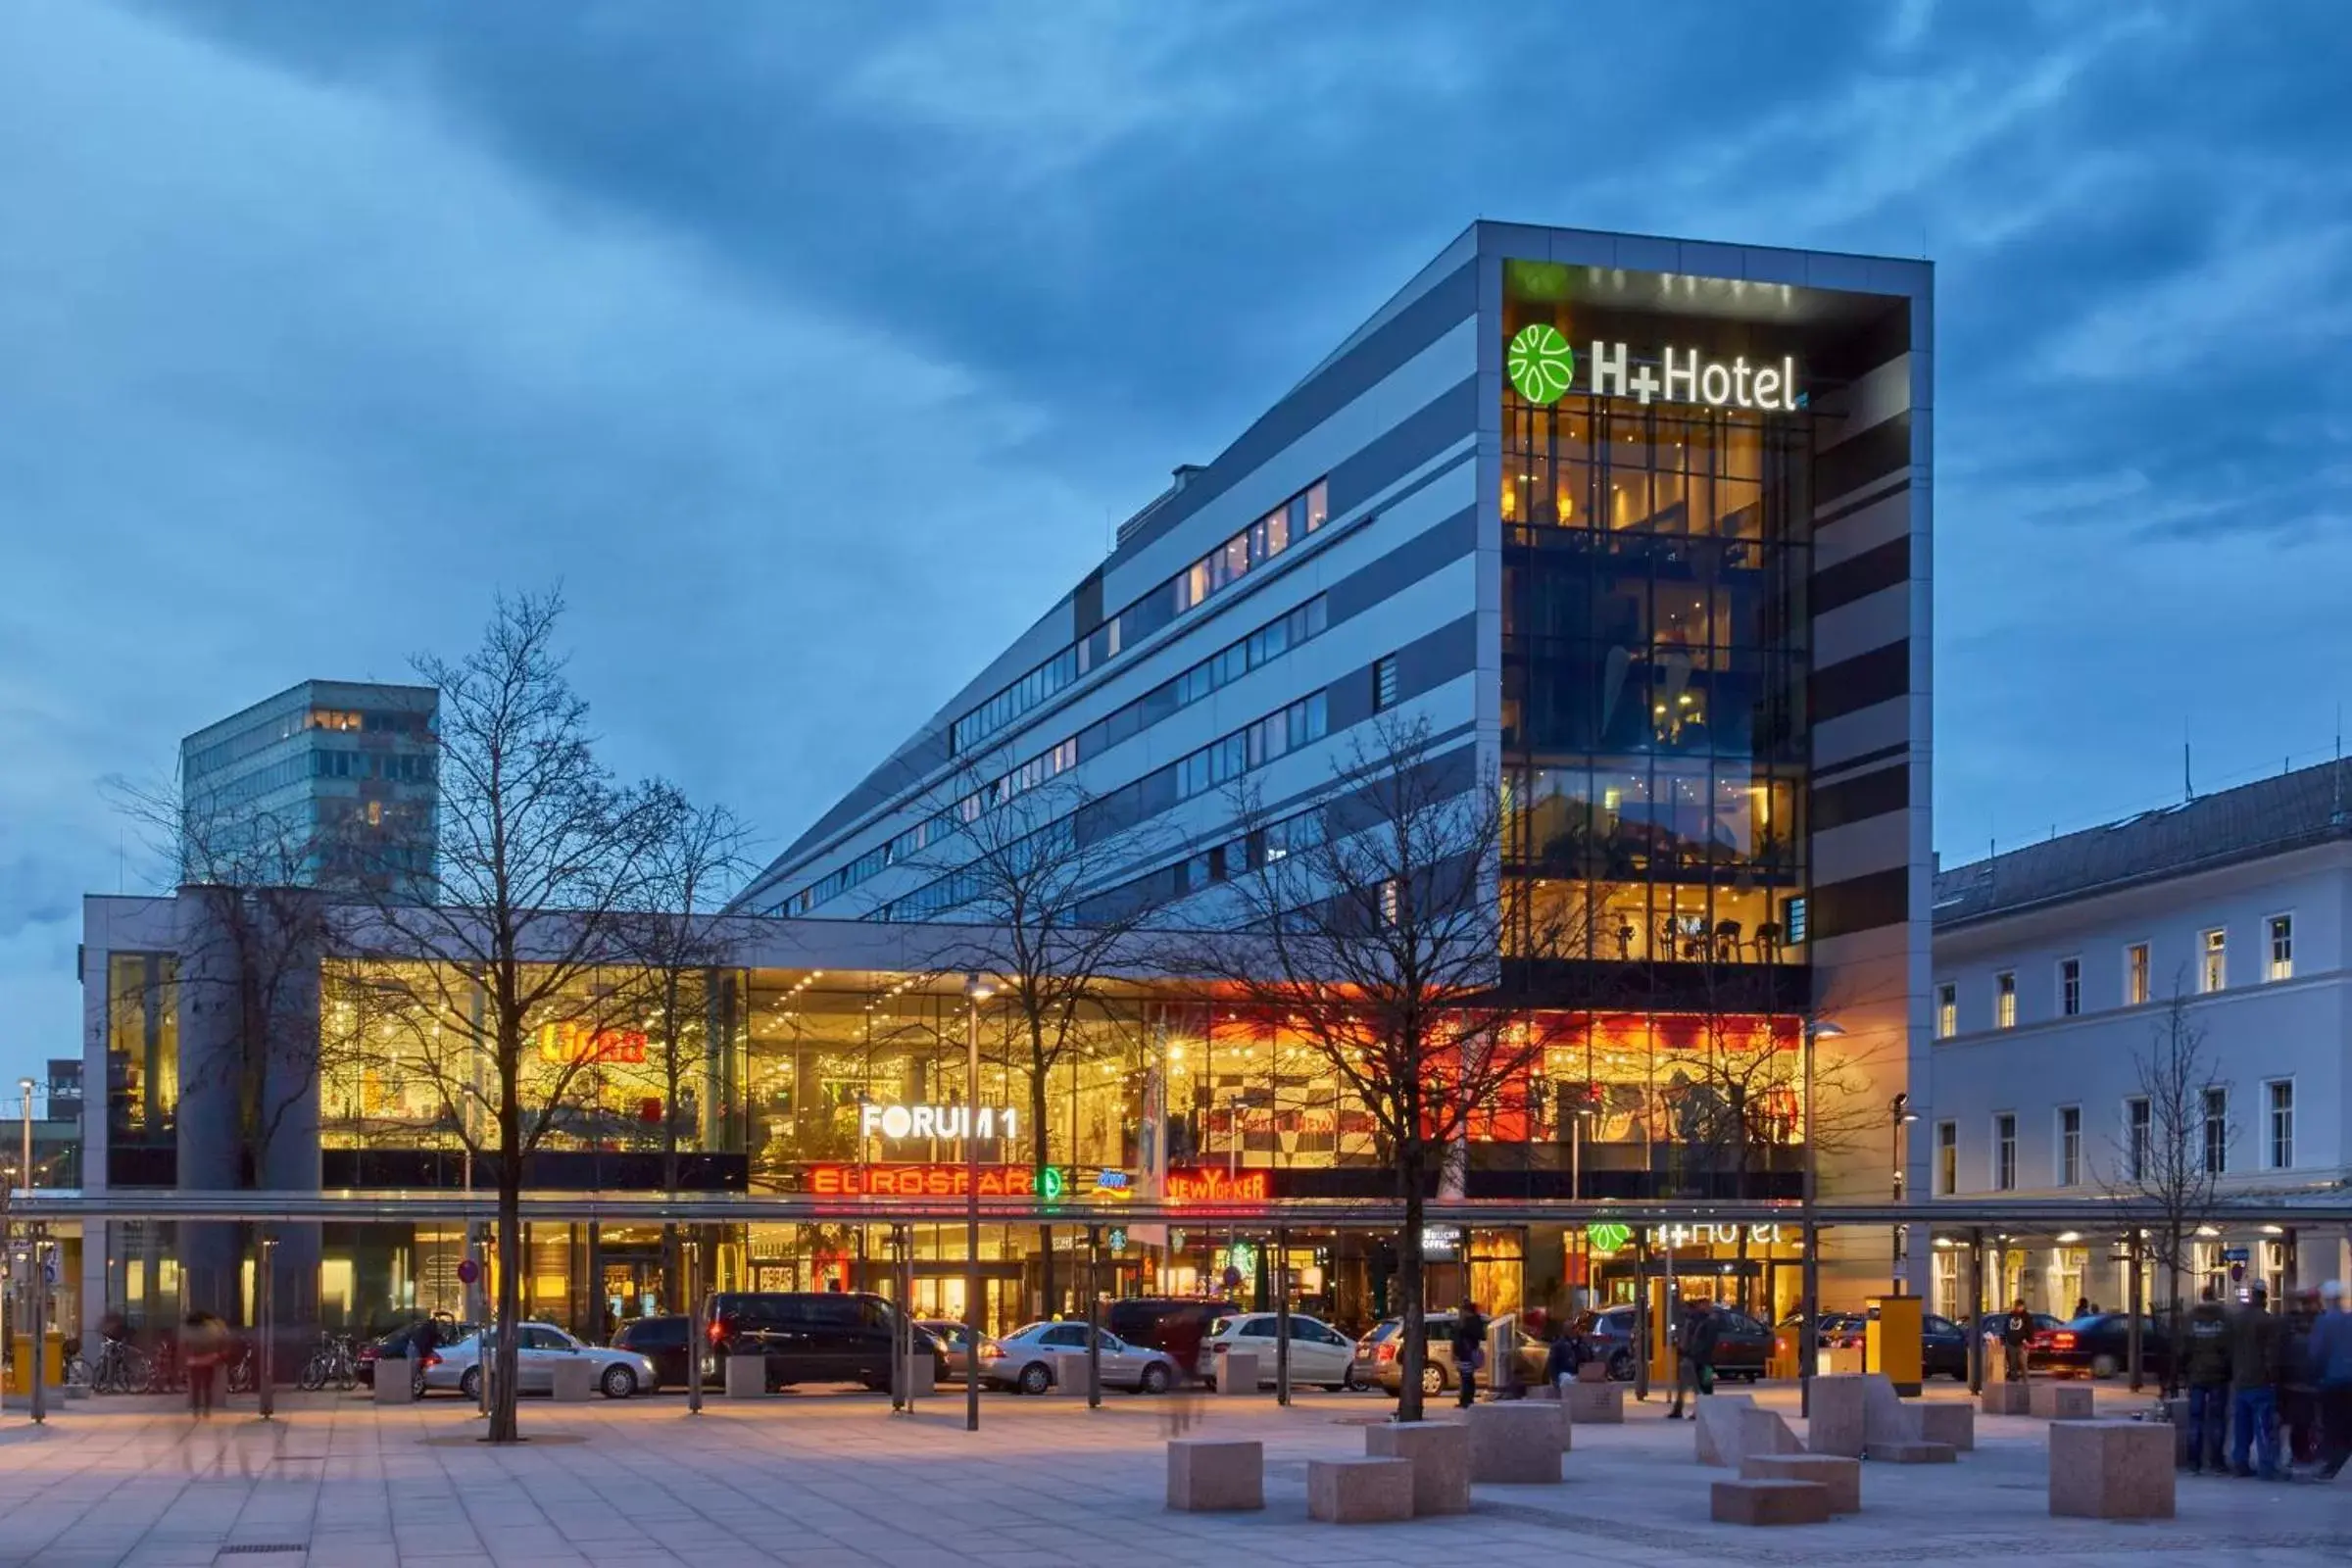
694 1342
38 1286
1282 1316
1093 1317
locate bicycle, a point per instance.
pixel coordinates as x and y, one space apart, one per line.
333 1361
121 1369
243 1371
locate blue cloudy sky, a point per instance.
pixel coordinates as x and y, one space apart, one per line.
817 349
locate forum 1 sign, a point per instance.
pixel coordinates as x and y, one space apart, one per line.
933 1121
1541 367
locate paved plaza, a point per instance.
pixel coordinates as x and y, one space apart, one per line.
837 1480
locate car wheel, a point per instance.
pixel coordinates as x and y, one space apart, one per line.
471 1383
619 1383
1347 1383
1157 1378
2105 1366
1621 1367
1035 1378
1432 1380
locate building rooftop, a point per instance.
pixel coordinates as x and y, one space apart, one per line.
2253 821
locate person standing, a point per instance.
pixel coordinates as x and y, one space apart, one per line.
1469 1350
1703 1330
422 1348
2298 1400
2206 1366
200 1343
2329 1364
2082 1307
2254 1339
2016 1329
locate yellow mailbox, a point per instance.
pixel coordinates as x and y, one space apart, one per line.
1893 1345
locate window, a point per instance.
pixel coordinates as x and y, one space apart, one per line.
2283 948
1948 1010
1947 1159
2070 1145
2135 1137
2070 987
2135 975
2213 967
2004 1152
1390 900
2282 1125
2004 1000
1384 683
2217 1132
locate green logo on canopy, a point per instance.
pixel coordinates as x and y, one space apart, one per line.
1541 364
1050 1183
1606 1236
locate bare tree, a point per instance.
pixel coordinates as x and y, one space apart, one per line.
1369 930
2165 1166
1023 857
511 975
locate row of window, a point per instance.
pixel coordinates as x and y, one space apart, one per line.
2212 975
284 726
1228 665
2068 1168
1260 542
1222 761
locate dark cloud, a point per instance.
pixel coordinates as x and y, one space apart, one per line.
817 348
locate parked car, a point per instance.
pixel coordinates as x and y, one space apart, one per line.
1319 1352
1147 1320
396 1342
1024 1360
812 1337
538 1347
954 1353
2098 1345
1367 1368
1438 1371
664 1341
1743 1346
1943 1342
1992 1325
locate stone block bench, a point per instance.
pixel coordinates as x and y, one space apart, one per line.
1516 1442
2059 1401
1715 1427
1838 1421
747 1377
1069 1374
2004 1399
1439 1453
1237 1373
1769 1503
1208 1474
2111 1469
1910 1450
1359 1491
1946 1421
1593 1404
1837 1475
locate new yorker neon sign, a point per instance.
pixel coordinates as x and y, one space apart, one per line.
1541 367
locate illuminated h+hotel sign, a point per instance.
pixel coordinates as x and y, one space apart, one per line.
1543 368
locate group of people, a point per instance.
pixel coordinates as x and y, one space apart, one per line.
2250 1372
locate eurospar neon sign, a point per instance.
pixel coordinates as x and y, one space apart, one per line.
1541 367
951 1180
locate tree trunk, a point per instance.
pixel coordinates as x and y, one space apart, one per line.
511 1261
1412 1354
1044 1154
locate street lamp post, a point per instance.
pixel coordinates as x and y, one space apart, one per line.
25 1087
975 991
1808 1343
1900 1115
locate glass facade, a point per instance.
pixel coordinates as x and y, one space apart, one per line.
1654 674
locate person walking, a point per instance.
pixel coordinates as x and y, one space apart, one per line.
2016 1329
1694 1353
2329 1365
2206 1367
1469 1350
2254 1343
201 1344
2298 1400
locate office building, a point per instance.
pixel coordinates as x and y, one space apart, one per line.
327 781
2069 972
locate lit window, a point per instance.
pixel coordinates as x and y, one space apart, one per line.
2282 1125
2070 987
2217 1132
2282 947
2212 972
2004 1000
1947 1159
2135 975
1948 1010
1390 900
1384 683
2004 1152
2070 1145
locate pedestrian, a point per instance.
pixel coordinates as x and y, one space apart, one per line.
2016 1329
1179 1336
2298 1400
1694 1353
2329 1363
2254 1342
200 1347
2082 1308
1564 1355
1469 1350
422 1348
2206 1366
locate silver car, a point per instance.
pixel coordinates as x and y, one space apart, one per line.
1024 1360
538 1348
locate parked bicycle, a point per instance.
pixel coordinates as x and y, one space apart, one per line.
243 1371
333 1361
121 1368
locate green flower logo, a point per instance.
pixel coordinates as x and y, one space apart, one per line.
1607 1236
1541 363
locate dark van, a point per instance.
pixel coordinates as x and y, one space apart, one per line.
808 1337
1146 1319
